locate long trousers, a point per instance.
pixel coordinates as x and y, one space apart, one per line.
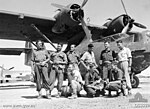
106 72
41 77
124 67
57 73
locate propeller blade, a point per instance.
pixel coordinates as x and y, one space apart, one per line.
139 25
84 2
124 7
86 30
60 6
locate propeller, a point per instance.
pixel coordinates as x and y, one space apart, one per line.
130 20
77 14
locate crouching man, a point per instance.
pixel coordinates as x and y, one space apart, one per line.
116 84
76 81
93 83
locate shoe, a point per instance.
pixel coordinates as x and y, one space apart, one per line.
73 97
103 92
119 93
90 95
48 96
97 93
58 95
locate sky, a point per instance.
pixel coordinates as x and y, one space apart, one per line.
97 10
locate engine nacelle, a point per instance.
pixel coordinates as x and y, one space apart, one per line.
67 18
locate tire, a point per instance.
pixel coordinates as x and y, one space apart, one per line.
135 82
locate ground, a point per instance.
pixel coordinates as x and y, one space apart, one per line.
24 97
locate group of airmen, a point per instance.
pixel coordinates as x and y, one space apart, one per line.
112 76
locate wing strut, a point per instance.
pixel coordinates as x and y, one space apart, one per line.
44 36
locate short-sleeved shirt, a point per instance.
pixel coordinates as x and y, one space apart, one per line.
107 55
73 57
59 57
40 55
88 58
124 54
91 77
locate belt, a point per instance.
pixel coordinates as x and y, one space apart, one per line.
123 61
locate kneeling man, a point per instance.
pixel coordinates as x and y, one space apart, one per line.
117 83
76 81
93 83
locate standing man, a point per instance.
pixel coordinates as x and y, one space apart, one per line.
40 60
59 61
125 62
106 58
88 58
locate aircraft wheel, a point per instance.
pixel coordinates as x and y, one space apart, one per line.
135 82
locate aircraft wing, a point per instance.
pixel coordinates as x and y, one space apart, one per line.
13 51
14 25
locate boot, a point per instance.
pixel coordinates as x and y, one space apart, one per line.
58 95
40 95
74 96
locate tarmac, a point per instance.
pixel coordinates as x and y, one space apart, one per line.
23 95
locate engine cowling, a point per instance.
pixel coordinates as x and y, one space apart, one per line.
76 13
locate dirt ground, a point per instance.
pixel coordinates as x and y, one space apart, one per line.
25 98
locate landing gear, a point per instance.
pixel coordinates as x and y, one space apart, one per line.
134 81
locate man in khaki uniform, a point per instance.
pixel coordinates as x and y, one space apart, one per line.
106 58
40 60
59 61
